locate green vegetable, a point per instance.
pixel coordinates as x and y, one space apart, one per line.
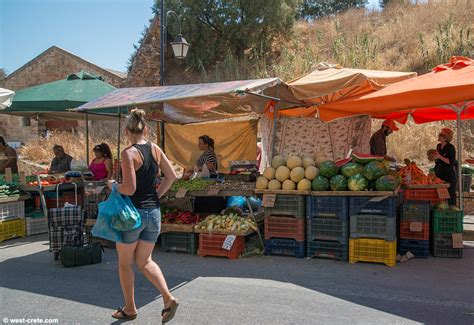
358 182
196 184
320 183
387 183
374 170
338 183
328 169
352 169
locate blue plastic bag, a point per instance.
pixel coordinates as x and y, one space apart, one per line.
123 214
102 227
236 201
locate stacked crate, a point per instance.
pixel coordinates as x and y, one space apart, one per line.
415 228
36 223
184 242
12 220
446 223
328 226
285 226
373 229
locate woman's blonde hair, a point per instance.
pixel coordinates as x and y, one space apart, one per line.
136 122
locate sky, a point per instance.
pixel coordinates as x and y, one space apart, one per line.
100 31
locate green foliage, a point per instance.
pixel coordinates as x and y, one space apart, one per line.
313 9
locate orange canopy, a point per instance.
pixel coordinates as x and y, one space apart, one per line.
431 97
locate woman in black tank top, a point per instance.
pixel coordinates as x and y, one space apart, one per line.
141 164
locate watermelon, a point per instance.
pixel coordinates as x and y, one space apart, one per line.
351 169
387 183
374 170
343 162
320 183
364 159
328 169
358 182
338 183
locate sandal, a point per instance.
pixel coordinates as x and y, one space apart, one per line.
171 311
123 315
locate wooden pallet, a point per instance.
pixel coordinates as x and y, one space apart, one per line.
426 186
223 232
170 227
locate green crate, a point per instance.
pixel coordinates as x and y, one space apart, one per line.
288 205
179 242
447 222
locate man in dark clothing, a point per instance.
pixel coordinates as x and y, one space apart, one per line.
378 145
61 162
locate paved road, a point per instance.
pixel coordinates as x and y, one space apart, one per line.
252 290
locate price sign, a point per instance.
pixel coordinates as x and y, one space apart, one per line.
213 191
181 193
443 193
269 200
457 241
416 226
8 175
22 178
229 242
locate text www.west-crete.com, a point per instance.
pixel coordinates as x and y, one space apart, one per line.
30 321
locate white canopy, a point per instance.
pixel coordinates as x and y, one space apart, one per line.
6 97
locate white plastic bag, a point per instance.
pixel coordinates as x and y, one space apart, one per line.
78 165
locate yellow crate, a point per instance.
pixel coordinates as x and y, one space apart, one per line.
12 228
373 250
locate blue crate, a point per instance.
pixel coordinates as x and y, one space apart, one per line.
363 204
416 211
419 248
333 229
287 247
328 249
327 206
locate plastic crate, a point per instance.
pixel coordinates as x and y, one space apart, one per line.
328 207
285 227
423 194
447 222
419 248
442 246
407 233
466 182
179 242
12 210
328 249
373 250
286 247
211 245
416 211
12 229
364 204
333 229
35 226
373 226
288 205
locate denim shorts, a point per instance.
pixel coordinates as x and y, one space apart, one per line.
149 229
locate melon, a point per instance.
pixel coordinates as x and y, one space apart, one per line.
282 173
269 173
387 183
311 172
343 162
338 183
364 159
293 162
297 174
374 170
288 185
308 161
274 185
351 169
319 158
262 183
304 185
278 161
328 169
320 183
357 182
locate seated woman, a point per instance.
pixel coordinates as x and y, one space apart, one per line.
208 158
101 166
61 162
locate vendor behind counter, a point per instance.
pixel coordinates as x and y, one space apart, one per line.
61 162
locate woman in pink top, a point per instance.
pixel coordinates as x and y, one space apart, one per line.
101 166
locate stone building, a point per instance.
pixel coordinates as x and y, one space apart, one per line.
51 65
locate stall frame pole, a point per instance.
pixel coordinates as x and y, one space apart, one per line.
118 143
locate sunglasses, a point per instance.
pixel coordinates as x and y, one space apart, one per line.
441 135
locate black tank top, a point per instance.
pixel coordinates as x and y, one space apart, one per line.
145 196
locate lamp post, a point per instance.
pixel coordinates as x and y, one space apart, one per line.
180 50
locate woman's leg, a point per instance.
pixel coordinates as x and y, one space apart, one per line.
452 190
126 254
151 270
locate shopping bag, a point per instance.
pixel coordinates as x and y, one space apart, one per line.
102 227
123 214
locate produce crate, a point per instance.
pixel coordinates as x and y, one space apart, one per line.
363 204
211 245
288 205
12 229
447 222
12 210
328 249
285 227
373 250
406 231
416 211
333 229
466 182
373 226
328 207
179 242
442 246
285 247
423 194
419 248
35 226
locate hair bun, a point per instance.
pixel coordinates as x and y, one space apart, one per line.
139 113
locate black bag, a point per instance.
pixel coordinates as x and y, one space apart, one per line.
81 255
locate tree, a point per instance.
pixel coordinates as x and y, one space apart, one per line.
313 9
217 28
3 74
